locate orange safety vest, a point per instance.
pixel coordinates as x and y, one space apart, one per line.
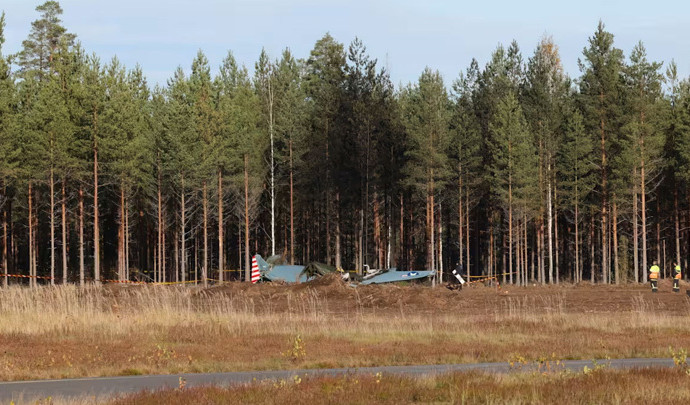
654 272
677 276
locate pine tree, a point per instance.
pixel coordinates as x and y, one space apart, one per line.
427 112
465 148
643 139
543 95
577 163
289 123
47 33
600 98
514 172
206 127
323 86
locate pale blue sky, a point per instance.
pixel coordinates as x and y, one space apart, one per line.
407 35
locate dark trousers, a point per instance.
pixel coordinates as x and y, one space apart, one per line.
654 286
676 287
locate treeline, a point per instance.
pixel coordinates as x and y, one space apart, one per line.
516 170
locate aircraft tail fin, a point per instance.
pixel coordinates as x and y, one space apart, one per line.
263 265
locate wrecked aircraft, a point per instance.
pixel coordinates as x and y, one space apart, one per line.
275 269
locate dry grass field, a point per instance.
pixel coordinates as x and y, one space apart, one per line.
64 331
649 386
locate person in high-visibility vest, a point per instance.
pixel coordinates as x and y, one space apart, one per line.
654 276
676 277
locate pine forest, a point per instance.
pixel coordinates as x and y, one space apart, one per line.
513 169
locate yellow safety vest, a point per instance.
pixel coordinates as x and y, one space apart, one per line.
677 276
654 272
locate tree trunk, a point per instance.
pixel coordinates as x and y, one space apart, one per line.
292 210
273 188
440 244
460 218
636 238
556 242
81 236
247 266
676 221
52 224
5 250
431 229
121 236
204 264
401 253
614 222
644 222
510 229
578 274
338 264
64 231
126 239
467 233
591 251
549 224
5 260
31 235
96 229
604 202
658 236
183 236
221 263
161 244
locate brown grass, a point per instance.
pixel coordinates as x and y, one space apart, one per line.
62 332
645 386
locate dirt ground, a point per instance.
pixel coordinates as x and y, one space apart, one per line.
476 299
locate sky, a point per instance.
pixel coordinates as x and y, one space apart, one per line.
404 35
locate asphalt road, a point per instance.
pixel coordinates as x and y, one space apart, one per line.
26 391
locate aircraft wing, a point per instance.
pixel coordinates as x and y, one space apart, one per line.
287 273
395 275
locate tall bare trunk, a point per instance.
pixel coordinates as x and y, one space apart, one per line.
127 239
81 236
614 222
440 244
96 229
5 250
636 238
555 233
644 222
64 231
183 235
578 274
247 274
676 221
121 236
338 264
549 223
591 250
467 232
401 253
460 217
292 210
658 236
510 229
377 230
431 229
161 243
52 225
31 235
204 264
604 202
221 262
